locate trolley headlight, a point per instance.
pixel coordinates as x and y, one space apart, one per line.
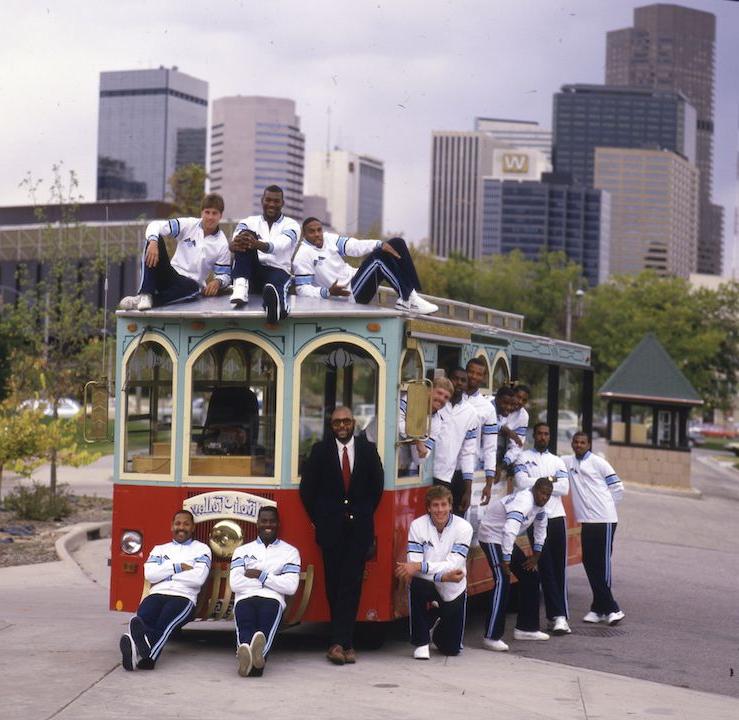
131 542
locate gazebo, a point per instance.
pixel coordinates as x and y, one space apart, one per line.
649 401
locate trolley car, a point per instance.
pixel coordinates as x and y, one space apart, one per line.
215 412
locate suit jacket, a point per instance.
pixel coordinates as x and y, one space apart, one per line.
333 511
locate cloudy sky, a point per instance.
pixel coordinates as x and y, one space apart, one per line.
391 71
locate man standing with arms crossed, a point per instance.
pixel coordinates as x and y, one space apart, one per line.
341 487
530 465
176 571
436 568
596 490
263 246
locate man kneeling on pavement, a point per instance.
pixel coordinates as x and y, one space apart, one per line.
176 571
438 544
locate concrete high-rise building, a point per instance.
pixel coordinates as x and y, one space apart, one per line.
654 210
548 215
459 161
317 207
150 122
673 48
590 116
523 134
353 187
255 142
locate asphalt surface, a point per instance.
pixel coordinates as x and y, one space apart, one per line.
675 576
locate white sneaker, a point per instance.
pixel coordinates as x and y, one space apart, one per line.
419 305
594 617
244 656
560 626
422 652
401 304
240 291
258 643
130 303
145 302
496 645
615 618
529 635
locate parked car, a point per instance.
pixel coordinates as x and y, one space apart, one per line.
66 408
567 421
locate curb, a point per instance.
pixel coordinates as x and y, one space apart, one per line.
77 536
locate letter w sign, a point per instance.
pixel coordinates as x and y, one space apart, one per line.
515 163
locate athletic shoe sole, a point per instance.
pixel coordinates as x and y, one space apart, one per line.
244 656
272 303
258 643
126 646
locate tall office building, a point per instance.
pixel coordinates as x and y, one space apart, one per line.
673 48
459 160
590 116
548 215
353 187
255 142
523 134
150 122
654 210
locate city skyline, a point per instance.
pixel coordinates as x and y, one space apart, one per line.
389 75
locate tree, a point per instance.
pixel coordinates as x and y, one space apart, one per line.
187 187
21 435
698 328
54 322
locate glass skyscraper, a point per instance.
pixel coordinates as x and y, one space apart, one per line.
150 123
590 116
550 215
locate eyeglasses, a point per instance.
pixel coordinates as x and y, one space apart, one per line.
342 421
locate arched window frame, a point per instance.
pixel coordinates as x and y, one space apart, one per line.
305 351
169 348
195 355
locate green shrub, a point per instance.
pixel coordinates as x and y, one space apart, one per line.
37 502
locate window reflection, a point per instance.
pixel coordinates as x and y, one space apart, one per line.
148 410
233 410
332 375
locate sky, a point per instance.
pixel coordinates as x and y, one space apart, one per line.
390 72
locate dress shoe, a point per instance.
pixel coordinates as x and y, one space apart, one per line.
350 657
336 655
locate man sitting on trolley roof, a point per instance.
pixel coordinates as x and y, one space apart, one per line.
202 249
320 269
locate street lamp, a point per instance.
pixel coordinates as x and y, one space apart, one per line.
578 296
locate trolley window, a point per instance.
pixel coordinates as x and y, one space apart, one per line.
232 413
337 374
148 410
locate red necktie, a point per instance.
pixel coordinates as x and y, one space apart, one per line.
346 471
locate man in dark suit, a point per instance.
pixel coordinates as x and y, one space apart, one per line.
341 487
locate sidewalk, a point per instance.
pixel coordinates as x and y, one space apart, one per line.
93 479
54 617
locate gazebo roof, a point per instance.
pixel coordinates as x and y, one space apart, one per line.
650 375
